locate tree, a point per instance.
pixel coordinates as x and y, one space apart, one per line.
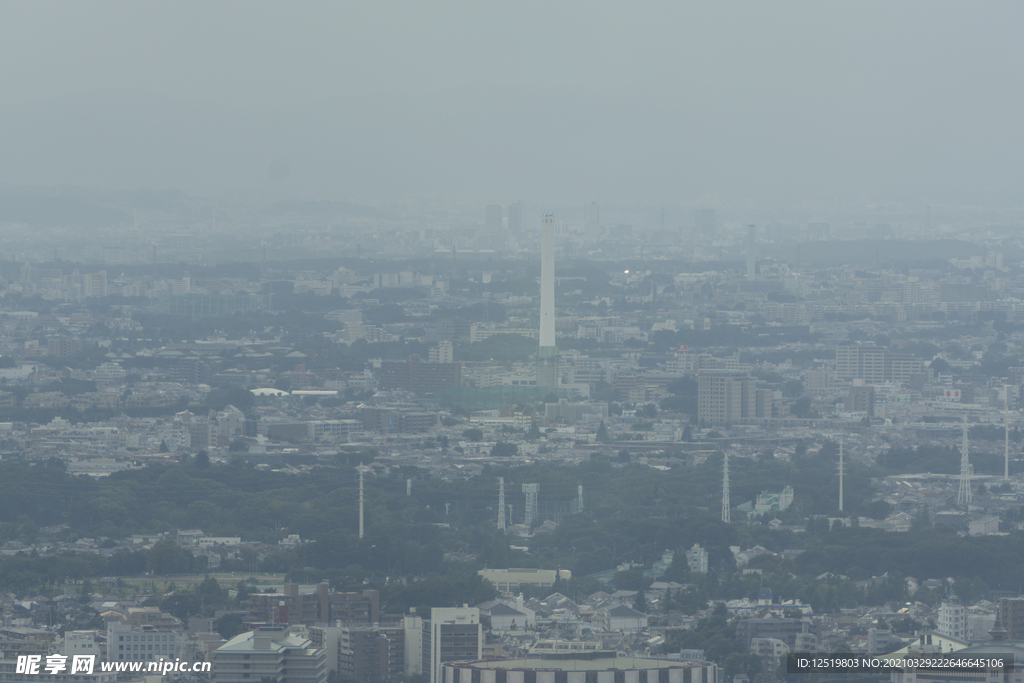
640 603
602 433
229 625
504 449
802 408
921 522
473 434
167 557
202 460
679 570
630 580
210 592
793 388
163 448
85 592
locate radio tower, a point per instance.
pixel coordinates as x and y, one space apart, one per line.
531 491
840 472
1006 448
579 496
725 489
362 470
963 496
1006 433
501 503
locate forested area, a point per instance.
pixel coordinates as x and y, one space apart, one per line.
633 513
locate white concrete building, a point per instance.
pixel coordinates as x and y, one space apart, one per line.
269 652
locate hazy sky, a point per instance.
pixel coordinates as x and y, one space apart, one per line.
643 102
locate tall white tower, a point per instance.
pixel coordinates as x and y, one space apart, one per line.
547 354
963 495
531 491
726 506
501 503
579 498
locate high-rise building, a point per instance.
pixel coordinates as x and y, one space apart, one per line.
861 399
875 364
493 234
492 219
697 559
953 618
725 395
270 652
94 284
515 218
415 375
190 371
61 347
703 224
451 634
322 606
372 654
128 642
1011 617
547 355
819 383
442 353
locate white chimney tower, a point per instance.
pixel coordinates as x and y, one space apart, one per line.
547 356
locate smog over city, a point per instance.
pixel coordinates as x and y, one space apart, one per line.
532 342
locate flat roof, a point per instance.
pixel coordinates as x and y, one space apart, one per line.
595 664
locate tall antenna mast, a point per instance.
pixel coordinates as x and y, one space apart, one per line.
726 507
1006 447
963 496
531 491
361 470
501 503
1006 432
840 472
